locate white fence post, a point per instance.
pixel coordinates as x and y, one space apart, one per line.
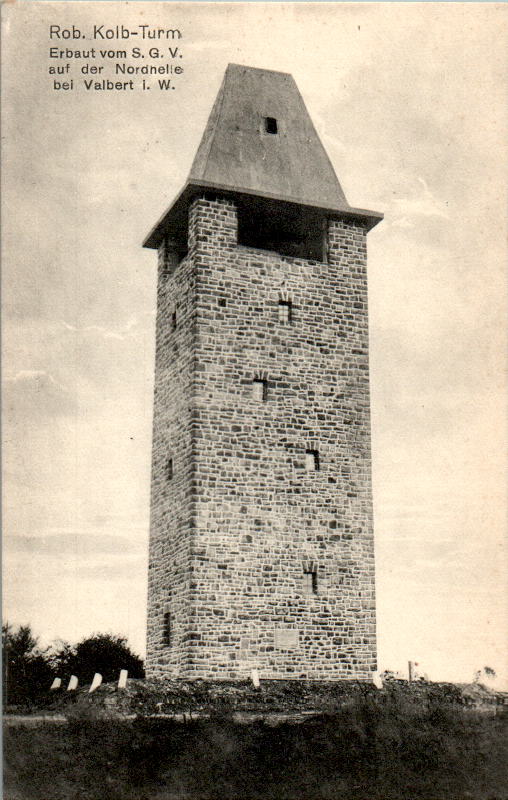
122 680
97 680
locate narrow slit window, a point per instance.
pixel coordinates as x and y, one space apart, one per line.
310 582
271 125
170 469
312 460
285 310
166 629
260 389
173 320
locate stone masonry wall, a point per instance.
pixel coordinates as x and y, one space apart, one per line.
171 519
259 519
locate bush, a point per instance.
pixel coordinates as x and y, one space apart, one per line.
28 670
103 653
27 673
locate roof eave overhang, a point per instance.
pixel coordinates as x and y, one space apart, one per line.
173 218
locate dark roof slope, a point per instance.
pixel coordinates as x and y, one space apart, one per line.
236 150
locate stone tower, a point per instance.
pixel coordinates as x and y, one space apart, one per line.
261 541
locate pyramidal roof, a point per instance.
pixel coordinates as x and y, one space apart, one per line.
238 151
260 140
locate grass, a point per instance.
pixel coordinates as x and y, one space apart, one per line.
169 696
384 746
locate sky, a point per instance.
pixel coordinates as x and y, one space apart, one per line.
409 101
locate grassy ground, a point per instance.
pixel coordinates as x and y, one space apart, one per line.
392 745
274 696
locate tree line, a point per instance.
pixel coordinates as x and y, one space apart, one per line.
28 670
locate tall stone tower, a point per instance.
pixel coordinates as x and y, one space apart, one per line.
261 542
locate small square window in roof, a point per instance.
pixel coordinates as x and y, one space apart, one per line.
271 125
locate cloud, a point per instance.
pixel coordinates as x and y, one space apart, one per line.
130 329
82 544
121 570
422 203
27 376
36 393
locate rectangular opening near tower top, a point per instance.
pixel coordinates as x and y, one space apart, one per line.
293 232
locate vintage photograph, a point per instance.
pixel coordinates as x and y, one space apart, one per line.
254 400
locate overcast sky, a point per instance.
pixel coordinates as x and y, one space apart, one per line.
410 103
